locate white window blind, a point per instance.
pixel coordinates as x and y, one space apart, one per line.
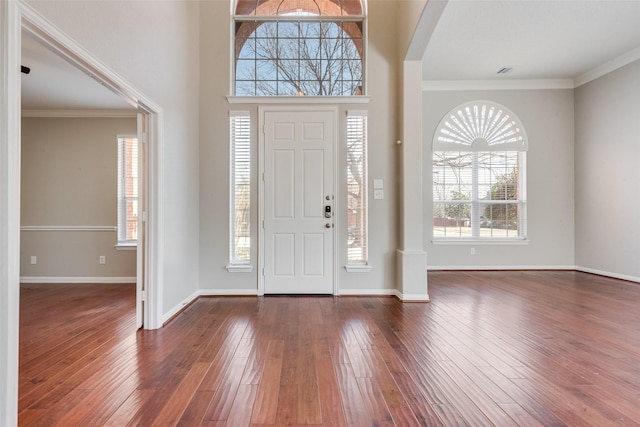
240 191
357 251
127 191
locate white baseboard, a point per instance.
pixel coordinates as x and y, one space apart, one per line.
414 297
75 279
178 308
499 267
368 292
228 292
608 274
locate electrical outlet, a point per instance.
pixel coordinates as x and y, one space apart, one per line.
103 259
34 260
473 251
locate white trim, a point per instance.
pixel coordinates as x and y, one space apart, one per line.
178 308
498 267
289 100
532 84
608 274
10 83
68 228
228 292
102 114
369 292
479 242
414 297
239 268
126 247
608 67
76 279
353 268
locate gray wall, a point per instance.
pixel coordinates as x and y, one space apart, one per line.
608 173
69 177
547 116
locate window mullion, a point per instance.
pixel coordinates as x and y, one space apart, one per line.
475 203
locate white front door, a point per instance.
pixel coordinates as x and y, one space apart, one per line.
298 202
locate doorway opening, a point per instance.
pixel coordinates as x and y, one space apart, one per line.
147 117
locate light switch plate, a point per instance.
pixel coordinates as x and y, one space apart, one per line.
378 184
378 194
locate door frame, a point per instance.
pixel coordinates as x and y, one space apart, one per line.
293 108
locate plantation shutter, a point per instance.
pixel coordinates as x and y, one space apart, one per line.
240 165
357 220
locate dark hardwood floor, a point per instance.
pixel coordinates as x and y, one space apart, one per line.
492 348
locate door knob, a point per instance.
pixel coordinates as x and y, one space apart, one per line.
327 225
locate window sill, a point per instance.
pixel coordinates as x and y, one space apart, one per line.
360 99
480 241
126 246
239 268
358 268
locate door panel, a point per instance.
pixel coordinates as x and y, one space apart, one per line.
298 184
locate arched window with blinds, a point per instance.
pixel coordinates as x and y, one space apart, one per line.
479 174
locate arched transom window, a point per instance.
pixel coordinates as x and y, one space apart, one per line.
479 173
299 47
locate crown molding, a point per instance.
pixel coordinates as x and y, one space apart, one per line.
609 66
514 84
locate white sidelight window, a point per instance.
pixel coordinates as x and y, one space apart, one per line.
479 174
357 228
240 191
127 191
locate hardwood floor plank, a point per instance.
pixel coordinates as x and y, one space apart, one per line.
329 394
240 413
224 396
171 413
352 400
129 408
266 402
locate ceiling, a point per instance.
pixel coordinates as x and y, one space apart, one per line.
56 84
472 40
538 39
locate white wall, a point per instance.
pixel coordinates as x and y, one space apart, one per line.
608 174
547 116
69 178
214 155
154 46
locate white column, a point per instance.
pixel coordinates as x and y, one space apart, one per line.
411 257
9 209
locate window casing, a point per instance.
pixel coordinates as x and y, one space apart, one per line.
357 208
286 48
479 174
127 191
240 191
